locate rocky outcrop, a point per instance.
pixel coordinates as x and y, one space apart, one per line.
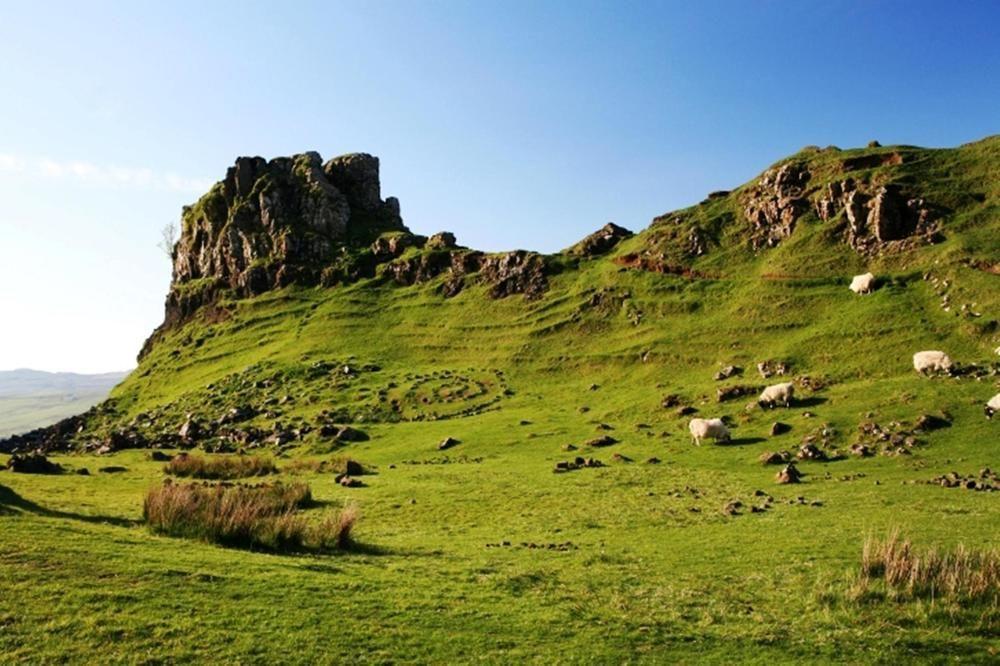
518 272
387 248
601 241
272 223
297 220
421 268
774 204
443 240
878 217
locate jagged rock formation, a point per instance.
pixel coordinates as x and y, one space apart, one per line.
272 223
298 220
601 241
775 203
517 272
673 241
877 215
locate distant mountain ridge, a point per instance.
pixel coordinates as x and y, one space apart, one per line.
33 398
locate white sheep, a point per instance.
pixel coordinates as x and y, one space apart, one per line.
863 284
713 428
932 361
993 406
777 394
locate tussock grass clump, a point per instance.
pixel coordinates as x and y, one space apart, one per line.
220 466
962 573
334 464
264 516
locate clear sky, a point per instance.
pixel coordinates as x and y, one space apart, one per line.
513 124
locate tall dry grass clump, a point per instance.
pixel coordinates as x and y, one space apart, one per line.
220 467
264 516
962 573
334 464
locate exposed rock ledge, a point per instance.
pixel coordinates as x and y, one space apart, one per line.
879 217
297 220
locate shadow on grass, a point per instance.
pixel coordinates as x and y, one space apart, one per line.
811 401
11 503
743 441
321 560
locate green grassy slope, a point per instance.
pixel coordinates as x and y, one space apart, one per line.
644 564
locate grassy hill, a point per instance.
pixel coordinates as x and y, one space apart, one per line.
482 551
31 399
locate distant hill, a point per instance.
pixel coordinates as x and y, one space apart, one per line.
31 398
289 270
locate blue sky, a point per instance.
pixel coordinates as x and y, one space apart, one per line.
513 124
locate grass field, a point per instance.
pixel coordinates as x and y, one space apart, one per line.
481 552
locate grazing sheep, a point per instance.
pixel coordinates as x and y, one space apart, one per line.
777 394
993 406
863 284
926 362
714 428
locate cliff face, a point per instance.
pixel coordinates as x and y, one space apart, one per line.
273 223
878 212
297 220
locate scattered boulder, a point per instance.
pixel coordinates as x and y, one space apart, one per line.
779 428
349 481
33 463
861 450
775 457
191 430
724 393
349 434
810 451
447 443
728 371
987 481
770 368
237 414
928 422
603 440
788 474
732 508
577 463
160 456
670 401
